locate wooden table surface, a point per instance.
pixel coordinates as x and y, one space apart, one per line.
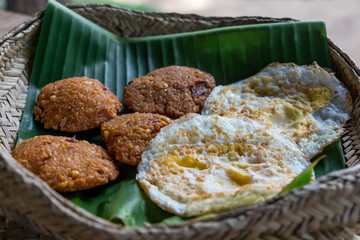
9 20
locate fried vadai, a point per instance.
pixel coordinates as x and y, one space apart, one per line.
128 135
75 104
172 91
66 164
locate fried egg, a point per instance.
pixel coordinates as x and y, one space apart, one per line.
208 163
306 103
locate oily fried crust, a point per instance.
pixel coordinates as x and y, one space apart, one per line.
75 104
66 164
128 135
172 91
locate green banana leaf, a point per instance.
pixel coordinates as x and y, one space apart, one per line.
121 200
304 178
70 45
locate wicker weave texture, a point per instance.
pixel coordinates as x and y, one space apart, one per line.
326 209
15 55
127 23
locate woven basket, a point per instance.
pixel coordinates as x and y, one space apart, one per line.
328 208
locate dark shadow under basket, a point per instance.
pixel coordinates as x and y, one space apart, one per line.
328 208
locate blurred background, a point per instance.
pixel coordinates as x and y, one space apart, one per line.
342 17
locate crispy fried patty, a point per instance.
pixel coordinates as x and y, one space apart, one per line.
75 104
172 91
128 135
66 164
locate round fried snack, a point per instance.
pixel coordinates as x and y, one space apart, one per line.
66 164
75 104
172 91
128 135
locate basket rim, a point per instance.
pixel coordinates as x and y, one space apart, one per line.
282 200
226 216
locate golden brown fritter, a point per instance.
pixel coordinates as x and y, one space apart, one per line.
128 135
172 91
66 164
75 104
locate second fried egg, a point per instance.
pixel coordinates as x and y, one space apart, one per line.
306 103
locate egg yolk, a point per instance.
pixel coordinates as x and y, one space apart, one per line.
237 177
174 161
319 97
191 162
293 113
